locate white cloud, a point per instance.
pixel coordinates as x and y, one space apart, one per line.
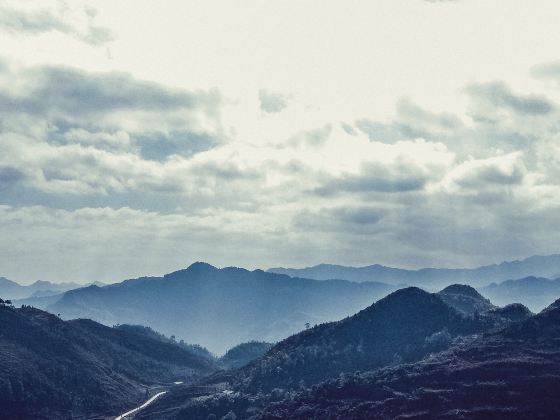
378 154
25 18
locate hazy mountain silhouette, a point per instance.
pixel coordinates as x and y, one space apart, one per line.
52 369
220 308
11 290
534 292
435 278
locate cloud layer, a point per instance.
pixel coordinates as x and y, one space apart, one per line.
106 175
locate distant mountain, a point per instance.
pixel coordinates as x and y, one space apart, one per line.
244 353
404 327
434 278
514 373
12 290
535 292
51 369
220 308
39 302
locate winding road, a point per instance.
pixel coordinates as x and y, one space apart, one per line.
137 409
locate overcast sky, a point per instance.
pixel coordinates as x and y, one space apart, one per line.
137 137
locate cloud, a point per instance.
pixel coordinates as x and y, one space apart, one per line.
411 122
313 138
75 22
61 89
346 220
375 177
9 176
498 95
84 152
272 102
477 174
111 110
549 70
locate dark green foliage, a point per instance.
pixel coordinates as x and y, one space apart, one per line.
403 327
244 353
513 312
509 373
465 299
53 369
514 373
149 332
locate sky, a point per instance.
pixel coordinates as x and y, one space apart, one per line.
137 137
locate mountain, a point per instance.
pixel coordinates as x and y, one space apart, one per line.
513 312
148 332
434 278
465 299
9 289
402 327
220 308
54 369
12 290
514 373
534 292
244 353
502 372
40 302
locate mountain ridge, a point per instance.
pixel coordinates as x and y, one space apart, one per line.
538 265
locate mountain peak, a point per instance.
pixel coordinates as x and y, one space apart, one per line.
407 299
465 299
513 312
553 306
200 266
461 289
407 292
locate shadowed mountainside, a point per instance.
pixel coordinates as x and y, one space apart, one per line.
514 373
52 369
465 299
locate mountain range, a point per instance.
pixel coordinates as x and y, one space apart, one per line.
512 373
408 330
225 307
433 278
535 292
411 354
11 290
219 308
